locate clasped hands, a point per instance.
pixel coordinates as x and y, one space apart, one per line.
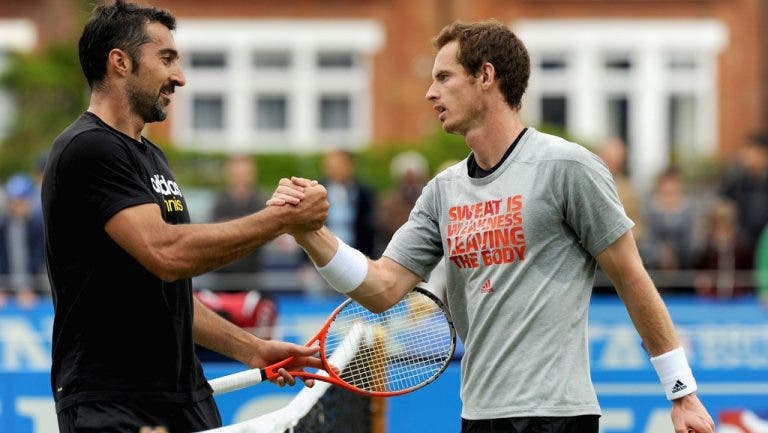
308 199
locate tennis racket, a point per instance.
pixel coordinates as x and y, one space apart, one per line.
376 354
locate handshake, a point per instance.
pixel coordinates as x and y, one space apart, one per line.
303 202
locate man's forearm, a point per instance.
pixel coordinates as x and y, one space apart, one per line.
650 316
385 282
216 333
320 245
185 250
201 248
621 262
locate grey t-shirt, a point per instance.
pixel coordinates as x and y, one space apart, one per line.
519 247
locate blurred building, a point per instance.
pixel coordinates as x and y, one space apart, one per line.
678 79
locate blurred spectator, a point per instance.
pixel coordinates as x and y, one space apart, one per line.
614 153
747 186
22 257
410 172
724 255
351 216
240 198
285 266
237 295
669 225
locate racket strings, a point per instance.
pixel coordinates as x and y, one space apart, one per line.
402 348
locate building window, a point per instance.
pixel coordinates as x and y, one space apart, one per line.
618 78
682 62
682 123
553 63
618 118
265 59
208 60
335 60
618 63
554 111
208 113
335 113
303 84
271 112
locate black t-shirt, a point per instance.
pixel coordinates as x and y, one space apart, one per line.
120 333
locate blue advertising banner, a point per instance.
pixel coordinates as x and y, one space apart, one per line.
727 344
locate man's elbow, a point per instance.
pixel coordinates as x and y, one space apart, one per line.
167 267
381 297
167 275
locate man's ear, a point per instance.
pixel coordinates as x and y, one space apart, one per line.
119 62
487 74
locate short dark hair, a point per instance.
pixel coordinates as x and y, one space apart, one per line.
492 42
119 25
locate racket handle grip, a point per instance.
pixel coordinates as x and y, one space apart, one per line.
235 381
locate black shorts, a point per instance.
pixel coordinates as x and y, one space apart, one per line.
131 417
537 424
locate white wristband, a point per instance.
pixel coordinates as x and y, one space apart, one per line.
675 373
346 270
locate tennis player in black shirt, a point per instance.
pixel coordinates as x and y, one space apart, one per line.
121 252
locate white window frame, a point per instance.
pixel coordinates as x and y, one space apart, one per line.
648 43
302 83
16 35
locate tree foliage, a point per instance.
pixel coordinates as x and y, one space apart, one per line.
49 93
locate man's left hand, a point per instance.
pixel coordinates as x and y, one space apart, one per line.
271 352
689 415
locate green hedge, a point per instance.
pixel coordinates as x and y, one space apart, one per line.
196 169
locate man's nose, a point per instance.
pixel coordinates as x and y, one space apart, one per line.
431 93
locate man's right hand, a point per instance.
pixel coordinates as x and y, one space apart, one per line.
290 191
310 212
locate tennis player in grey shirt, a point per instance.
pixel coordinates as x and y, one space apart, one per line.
519 245
521 225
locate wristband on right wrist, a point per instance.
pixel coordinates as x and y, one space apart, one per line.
674 373
346 270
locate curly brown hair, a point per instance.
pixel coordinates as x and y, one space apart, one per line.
492 42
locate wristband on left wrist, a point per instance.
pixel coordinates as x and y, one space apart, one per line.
674 373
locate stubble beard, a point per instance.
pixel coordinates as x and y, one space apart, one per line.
146 105
454 128
470 118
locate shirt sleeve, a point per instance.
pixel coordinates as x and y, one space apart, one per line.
104 175
417 244
592 206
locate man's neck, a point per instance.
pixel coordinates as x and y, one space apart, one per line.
490 141
111 109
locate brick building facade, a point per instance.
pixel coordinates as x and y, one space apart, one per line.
669 76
